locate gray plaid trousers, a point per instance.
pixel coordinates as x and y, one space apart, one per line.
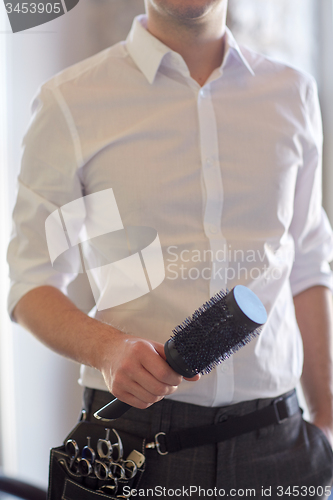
283 461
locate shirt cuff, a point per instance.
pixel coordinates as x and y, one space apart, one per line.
18 290
302 285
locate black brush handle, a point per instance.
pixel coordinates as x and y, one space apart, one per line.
117 408
112 410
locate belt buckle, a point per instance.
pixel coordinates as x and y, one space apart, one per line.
275 402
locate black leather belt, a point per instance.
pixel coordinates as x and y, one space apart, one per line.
276 412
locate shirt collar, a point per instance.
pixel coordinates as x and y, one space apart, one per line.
148 52
233 47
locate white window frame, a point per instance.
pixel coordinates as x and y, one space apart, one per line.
325 82
8 446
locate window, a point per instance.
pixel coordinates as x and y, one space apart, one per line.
7 420
285 30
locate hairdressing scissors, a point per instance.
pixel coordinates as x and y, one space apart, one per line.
129 467
88 456
72 450
116 471
104 446
101 470
119 446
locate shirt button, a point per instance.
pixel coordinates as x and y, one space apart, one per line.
209 162
225 368
204 92
213 229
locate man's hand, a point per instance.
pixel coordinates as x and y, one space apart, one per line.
135 371
326 429
314 313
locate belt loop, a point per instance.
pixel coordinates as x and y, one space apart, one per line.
263 432
279 418
166 419
162 416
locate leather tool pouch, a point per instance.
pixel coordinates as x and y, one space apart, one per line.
86 467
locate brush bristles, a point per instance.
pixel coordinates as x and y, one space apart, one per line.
211 335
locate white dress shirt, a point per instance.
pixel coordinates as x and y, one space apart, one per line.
228 175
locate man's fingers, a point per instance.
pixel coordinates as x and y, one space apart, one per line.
154 362
153 385
194 379
160 349
136 393
139 381
133 400
139 375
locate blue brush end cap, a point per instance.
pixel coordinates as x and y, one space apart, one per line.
246 307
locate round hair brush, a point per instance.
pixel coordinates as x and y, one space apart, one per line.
224 324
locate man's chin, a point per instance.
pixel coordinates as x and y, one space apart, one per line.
186 10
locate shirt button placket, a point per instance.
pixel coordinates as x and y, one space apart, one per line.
212 177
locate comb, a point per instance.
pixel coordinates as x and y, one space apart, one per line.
215 331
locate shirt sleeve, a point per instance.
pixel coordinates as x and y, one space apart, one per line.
47 180
310 227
